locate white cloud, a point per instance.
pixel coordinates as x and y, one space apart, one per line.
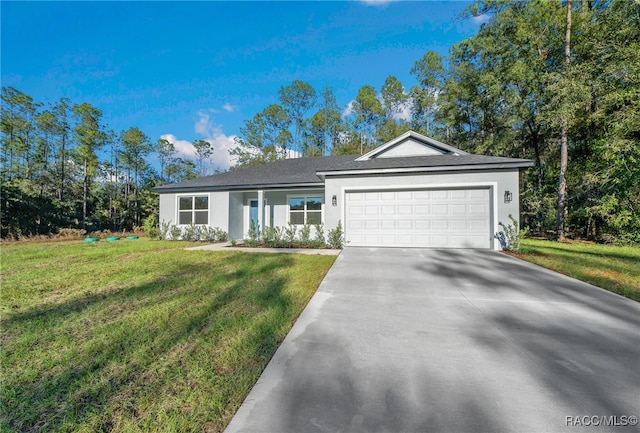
348 109
228 107
204 126
184 148
480 19
222 143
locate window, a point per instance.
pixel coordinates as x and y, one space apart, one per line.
193 209
305 210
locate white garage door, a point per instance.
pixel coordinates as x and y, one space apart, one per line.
440 218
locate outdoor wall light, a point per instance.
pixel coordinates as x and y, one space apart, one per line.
508 196
334 201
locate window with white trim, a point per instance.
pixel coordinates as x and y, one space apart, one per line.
193 209
305 210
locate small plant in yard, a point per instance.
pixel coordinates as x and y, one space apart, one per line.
319 240
150 225
254 234
176 233
305 235
272 236
335 237
163 230
221 235
290 233
511 235
192 232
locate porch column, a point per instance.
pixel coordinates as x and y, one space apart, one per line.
260 210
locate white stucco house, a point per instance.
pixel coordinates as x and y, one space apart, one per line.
413 191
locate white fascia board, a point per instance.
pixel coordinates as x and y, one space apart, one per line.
501 166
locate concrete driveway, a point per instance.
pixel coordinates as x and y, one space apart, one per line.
416 340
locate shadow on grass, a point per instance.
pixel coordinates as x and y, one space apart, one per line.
70 364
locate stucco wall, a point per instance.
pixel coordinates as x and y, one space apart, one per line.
168 208
499 181
218 208
236 215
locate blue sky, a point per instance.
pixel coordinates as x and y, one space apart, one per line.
197 70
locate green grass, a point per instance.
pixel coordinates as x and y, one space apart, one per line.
140 335
613 268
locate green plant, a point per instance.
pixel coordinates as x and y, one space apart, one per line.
234 242
192 232
335 237
290 233
254 234
150 225
220 234
305 235
163 231
511 235
319 240
272 236
176 233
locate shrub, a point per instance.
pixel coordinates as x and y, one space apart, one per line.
221 235
254 234
150 225
336 237
163 231
319 241
272 236
305 235
176 233
511 235
290 233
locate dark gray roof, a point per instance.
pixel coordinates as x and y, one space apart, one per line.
310 171
432 163
284 173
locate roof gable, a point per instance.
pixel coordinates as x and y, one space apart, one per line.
411 144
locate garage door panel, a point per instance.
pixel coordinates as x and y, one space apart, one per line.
440 209
372 225
388 209
440 224
422 209
458 225
388 224
405 224
479 193
459 209
422 224
455 218
480 209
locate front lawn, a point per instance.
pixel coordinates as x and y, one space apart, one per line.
140 335
613 268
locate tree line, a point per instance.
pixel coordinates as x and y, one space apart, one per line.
61 167
555 82
558 83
